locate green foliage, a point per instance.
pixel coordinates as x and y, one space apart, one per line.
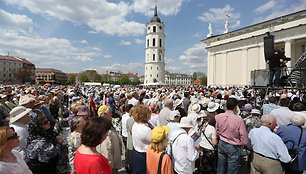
204 80
90 76
24 75
71 80
124 79
194 76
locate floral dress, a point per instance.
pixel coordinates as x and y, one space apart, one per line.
74 141
43 154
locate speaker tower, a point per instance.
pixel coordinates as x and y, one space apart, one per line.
268 46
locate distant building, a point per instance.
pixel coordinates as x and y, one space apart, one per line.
155 51
177 79
116 76
49 75
16 70
233 55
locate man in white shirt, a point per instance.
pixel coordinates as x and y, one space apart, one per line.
182 148
283 114
174 121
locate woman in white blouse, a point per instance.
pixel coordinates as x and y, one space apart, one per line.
141 138
11 162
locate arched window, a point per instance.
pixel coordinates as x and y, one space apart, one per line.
153 43
154 29
147 42
153 57
160 57
160 43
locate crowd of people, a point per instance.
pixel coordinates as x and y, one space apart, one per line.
164 130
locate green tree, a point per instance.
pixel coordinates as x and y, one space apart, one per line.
124 80
23 75
204 80
194 76
71 79
90 76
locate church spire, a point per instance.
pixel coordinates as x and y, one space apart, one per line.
155 17
155 11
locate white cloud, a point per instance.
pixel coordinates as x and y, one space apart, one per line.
265 7
139 41
108 56
131 67
235 24
43 52
124 42
198 34
83 42
216 15
19 23
169 7
195 58
100 16
92 32
283 7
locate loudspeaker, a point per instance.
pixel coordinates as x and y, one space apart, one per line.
259 77
268 46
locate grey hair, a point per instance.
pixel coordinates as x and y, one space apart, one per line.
267 118
74 122
168 102
298 120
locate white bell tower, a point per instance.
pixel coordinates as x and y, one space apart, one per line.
155 51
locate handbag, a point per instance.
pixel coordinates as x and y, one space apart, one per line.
294 151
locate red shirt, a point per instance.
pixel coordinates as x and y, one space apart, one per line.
91 164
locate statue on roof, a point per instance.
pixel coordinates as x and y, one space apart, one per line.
226 24
210 32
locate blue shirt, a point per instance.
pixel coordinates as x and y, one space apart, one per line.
267 108
267 143
292 132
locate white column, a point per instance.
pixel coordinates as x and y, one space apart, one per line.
224 77
210 69
262 61
289 51
244 66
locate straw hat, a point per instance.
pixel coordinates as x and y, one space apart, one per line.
174 114
177 102
255 111
196 108
18 112
212 106
25 100
186 122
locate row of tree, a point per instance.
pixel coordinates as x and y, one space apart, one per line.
93 76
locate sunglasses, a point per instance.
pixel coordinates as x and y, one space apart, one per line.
13 137
45 122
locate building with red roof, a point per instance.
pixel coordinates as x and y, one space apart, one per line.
14 70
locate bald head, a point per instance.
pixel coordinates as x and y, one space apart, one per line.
268 121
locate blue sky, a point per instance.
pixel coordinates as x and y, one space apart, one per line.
108 35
